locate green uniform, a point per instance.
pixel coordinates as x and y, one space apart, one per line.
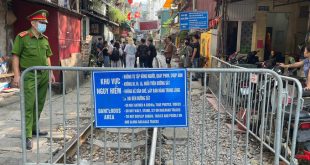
33 51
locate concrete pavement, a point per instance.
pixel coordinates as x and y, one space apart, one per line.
10 124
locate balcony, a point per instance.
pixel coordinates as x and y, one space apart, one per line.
97 7
67 4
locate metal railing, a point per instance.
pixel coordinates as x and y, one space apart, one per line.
265 89
216 133
209 117
292 106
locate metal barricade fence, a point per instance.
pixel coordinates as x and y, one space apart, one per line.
218 63
222 129
292 107
264 104
225 129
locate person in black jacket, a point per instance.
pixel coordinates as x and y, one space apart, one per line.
153 52
252 58
143 53
277 57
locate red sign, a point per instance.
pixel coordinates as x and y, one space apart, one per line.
150 25
260 44
137 15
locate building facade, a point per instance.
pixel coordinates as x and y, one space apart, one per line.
266 25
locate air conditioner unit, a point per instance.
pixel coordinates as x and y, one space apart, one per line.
64 3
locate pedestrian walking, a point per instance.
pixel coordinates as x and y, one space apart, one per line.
143 54
188 52
196 55
168 51
137 45
99 57
116 55
111 44
105 54
130 51
123 57
31 48
153 52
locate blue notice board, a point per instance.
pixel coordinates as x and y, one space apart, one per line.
193 20
140 98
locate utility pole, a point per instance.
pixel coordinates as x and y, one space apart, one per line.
194 5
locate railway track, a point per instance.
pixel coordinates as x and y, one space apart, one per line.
80 143
114 146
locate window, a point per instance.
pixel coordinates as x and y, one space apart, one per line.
246 37
94 28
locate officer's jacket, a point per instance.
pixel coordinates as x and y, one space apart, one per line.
32 51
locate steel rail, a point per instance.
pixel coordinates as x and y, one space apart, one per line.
71 147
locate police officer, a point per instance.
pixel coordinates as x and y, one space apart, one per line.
31 48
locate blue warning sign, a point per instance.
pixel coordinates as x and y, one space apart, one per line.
140 98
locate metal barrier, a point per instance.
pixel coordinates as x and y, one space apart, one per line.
225 129
292 106
220 129
261 89
218 63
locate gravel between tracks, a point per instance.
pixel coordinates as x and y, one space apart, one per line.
199 121
209 136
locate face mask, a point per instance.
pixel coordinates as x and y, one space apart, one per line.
41 27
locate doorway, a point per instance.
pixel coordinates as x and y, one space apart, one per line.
277 25
231 41
268 43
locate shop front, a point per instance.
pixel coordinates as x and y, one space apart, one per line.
281 27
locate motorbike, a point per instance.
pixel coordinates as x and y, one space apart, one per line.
252 58
232 59
266 130
303 133
248 60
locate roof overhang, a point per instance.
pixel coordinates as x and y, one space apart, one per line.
60 8
99 18
278 3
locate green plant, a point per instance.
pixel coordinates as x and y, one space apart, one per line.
167 23
183 35
116 15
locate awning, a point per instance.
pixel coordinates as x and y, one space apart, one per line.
60 8
100 18
167 4
277 3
